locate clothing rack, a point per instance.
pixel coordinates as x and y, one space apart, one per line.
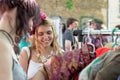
100 32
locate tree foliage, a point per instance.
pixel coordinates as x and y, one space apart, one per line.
69 4
86 4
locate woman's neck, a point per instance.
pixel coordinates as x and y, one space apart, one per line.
47 51
5 24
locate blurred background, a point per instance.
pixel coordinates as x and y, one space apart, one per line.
107 11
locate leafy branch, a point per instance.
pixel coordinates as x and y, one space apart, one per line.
69 4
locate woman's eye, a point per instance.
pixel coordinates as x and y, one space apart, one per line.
40 34
49 32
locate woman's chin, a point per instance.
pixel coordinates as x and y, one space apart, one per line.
45 46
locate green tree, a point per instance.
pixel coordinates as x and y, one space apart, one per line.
69 4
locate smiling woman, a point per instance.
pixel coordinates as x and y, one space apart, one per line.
43 46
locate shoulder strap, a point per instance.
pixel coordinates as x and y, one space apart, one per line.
7 35
29 57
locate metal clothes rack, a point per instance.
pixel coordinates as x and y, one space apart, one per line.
100 32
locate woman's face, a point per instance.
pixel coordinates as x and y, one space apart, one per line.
45 35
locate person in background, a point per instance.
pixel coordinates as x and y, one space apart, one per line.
15 18
96 24
63 27
68 38
80 36
25 41
117 26
44 45
98 40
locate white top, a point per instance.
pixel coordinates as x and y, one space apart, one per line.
33 68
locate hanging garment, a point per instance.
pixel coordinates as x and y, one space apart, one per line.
67 66
85 73
101 51
98 40
96 67
111 68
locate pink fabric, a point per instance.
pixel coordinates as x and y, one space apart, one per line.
68 65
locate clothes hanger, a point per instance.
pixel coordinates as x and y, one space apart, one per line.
116 43
101 39
89 43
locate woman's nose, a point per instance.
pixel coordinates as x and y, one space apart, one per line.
45 35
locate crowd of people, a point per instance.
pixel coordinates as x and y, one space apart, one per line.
23 25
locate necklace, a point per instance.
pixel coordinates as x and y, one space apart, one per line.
43 58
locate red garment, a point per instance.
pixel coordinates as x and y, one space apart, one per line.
101 51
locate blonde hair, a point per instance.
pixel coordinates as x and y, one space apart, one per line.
56 47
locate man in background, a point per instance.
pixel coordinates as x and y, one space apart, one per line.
69 42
